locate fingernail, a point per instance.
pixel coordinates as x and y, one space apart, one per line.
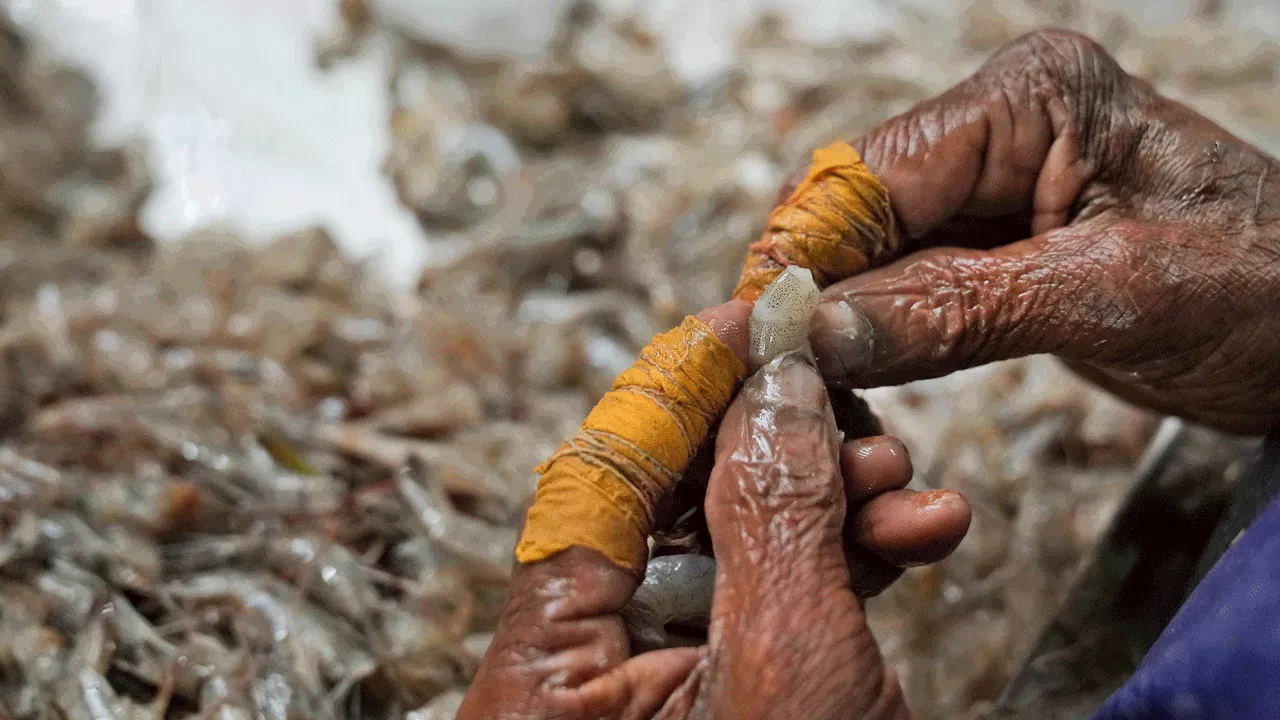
841 340
790 379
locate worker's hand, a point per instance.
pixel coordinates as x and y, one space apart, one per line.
788 637
1061 206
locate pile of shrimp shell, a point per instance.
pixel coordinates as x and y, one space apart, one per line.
248 480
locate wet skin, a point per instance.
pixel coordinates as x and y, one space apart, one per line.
1058 205
1052 204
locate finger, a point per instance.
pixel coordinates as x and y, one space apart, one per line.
730 323
775 507
560 630
1076 292
1019 138
776 498
874 465
1003 143
603 488
787 637
555 632
637 688
875 470
870 467
908 528
932 313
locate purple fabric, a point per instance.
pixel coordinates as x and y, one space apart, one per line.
1220 656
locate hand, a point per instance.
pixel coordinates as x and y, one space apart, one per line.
1059 205
788 636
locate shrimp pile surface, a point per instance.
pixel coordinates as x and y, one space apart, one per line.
245 480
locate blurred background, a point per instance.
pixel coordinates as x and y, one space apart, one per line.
257 254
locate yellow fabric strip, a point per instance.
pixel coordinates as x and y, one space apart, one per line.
837 223
600 488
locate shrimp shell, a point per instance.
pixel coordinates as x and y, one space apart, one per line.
781 317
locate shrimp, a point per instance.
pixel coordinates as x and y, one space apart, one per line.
781 316
82 692
328 571
458 472
489 547
149 503
208 552
30 484
218 703
83 416
676 589
57 534
443 707
75 594
420 653
28 647
316 647
202 660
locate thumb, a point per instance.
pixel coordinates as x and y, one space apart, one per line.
787 637
777 464
1069 291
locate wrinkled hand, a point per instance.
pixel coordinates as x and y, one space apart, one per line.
1061 206
788 637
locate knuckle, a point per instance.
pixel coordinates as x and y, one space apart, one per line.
943 302
970 302
1041 68
781 454
1060 59
1070 70
914 133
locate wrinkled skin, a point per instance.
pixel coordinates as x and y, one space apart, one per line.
1052 204
1059 205
788 637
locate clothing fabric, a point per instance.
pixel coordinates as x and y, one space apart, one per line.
1220 655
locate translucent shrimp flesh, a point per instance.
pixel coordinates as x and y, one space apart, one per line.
781 317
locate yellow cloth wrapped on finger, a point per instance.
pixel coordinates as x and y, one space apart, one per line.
600 488
837 223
